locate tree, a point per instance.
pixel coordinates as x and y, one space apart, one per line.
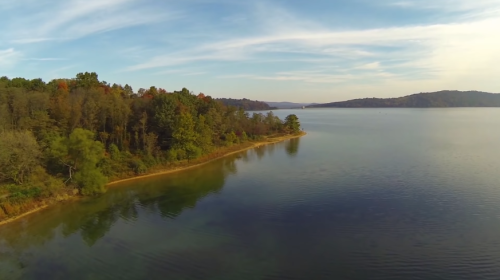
128 90
153 91
204 135
19 155
66 116
164 118
292 123
183 132
80 154
87 80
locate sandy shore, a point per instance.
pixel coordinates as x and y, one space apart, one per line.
22 215
254 145
169 171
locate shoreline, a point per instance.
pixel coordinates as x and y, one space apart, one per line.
182 168
23 215
267 141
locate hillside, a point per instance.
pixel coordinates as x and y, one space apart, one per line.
287 105
246 104
423 100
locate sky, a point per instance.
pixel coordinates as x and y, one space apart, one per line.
271 50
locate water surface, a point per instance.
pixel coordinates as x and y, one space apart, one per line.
367 194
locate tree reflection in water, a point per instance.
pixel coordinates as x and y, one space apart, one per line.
167 195
292 146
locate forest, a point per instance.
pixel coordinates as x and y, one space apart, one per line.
246 104
424 100
71 136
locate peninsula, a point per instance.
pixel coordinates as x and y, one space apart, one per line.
71 137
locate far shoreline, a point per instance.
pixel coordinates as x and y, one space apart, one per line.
267 141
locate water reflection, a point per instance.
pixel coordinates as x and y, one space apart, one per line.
164 196
292 147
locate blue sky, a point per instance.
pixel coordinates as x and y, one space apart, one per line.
295 50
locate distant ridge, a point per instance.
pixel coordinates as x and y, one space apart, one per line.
287 105
445 98
246 104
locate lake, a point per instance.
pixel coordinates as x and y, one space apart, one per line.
367 194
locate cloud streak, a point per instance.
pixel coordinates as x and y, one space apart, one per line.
9 57
429 46
73 19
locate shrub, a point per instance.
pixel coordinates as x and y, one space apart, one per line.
3 215
244 137
10 209
149 160
138 166
114 152
90 181
181 154
19 193
172 155
47 184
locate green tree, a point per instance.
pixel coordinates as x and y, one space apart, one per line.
80 154
164 117
87 80
183 132
292 123
19 155
204 135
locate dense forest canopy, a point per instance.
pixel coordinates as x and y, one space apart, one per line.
245 104
71 135
424 100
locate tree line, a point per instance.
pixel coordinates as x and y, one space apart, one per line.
72 135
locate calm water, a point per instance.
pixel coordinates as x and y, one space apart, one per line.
367 194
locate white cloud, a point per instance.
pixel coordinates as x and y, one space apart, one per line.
9 57
62 20
439 47
370 66
46 59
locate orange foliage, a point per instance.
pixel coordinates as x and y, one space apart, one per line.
62 85
106 89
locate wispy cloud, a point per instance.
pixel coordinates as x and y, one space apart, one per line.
46 59
9 57
60 72
431 46
72 19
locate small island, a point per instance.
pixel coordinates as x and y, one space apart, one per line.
72 137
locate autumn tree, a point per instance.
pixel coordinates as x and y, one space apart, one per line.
49 130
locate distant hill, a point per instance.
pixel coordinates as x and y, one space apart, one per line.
444 98
287 105
246 104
